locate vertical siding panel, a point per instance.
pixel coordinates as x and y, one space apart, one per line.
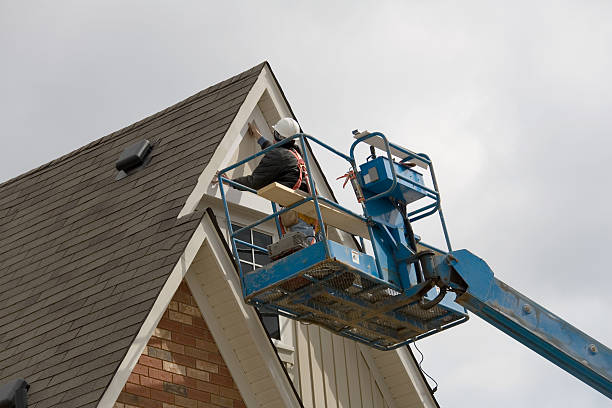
296 358
329 370
377 396
316 365
352 372
365 381
303 352
341 376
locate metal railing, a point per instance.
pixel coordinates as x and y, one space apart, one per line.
317 199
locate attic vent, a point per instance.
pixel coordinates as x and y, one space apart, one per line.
14 394
132 157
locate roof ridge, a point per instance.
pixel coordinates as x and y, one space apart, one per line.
216 87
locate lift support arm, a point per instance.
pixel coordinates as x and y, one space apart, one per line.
523 319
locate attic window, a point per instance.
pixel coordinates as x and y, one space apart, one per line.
132 157
14 394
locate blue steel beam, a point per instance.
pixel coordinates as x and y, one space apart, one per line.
526 321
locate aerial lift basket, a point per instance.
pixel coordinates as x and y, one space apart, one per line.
340 293
376 299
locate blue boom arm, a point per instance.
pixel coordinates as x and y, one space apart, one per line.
523 319
387 300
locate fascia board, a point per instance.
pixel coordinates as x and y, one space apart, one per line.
152 320
257 334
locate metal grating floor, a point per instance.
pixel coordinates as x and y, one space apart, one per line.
349 302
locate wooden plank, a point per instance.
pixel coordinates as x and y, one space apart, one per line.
341 377
303 355
329 370
285 196
352 373
316 365
379 144
424 248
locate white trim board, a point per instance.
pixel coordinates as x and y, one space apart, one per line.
231 140
206 237
152 320
254 393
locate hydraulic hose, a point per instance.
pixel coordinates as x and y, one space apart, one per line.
426 305
409 233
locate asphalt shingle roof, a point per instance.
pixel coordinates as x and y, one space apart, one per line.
83 257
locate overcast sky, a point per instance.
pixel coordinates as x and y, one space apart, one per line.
512 100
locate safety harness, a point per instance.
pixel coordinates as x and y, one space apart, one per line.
302 177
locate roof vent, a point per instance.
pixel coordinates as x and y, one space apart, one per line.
14 394
132 157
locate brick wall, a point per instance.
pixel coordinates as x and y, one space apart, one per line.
181 365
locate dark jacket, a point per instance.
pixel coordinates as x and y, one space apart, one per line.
278 165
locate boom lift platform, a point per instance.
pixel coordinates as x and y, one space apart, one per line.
405 289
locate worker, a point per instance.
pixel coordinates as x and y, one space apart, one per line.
283 165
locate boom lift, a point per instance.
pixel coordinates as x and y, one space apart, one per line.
406 290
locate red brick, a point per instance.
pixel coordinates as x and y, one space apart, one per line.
200 375
174 368
150 361
182 297
162 396
222 401
206 386
194 352
185 402
142 402
155 342
180 317
173 347
199 322
224 371
184 360
137 389
207 366
206 345
134 378
186 381
190 310
197 332
221 380
160 375
151 383
198 395
183 339
168 324
162 334
216 358
197 368
229 393
126 398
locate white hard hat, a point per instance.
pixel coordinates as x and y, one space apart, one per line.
287 127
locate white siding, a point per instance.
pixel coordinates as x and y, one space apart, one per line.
333 371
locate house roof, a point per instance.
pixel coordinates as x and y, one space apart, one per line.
84 256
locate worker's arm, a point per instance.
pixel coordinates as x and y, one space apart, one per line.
265 173
267 169
254 132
